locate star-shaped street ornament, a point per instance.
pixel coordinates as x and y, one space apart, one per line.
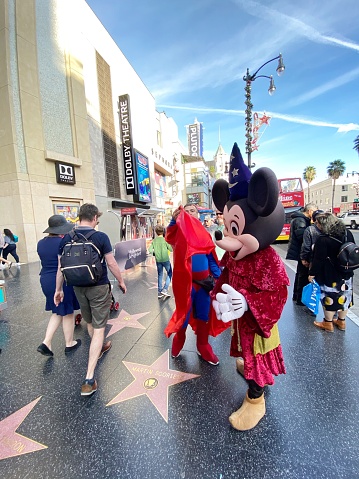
13 444
153 381
125 320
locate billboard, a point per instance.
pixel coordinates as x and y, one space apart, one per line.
195 139
143 177
129 163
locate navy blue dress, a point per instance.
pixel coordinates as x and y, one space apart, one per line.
48 249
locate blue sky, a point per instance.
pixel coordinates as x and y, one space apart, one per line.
192 55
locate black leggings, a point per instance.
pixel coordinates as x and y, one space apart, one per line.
11 249
254 391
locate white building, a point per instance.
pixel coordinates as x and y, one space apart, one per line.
61 76
345 196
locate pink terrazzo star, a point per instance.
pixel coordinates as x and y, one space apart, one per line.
125 320
13 444
153 381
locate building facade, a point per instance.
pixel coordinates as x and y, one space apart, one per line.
61 78
346 194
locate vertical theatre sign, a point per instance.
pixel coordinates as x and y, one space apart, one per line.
195 139
127 147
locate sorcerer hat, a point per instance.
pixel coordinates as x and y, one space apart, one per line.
58 225
239 176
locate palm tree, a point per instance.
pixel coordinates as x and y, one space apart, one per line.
335 169
309 174
356 144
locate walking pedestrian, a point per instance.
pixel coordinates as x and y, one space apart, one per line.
10 246
161 249
95 300
63 313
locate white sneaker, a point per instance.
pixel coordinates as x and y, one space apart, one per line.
165 293
2 266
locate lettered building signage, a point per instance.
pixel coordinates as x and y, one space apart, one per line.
127 146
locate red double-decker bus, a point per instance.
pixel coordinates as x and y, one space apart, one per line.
291 195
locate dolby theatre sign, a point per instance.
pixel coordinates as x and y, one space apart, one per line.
65 173
127 146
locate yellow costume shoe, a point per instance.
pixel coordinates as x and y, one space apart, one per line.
249 414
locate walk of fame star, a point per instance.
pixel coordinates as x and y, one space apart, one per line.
153 381
125 320
13 444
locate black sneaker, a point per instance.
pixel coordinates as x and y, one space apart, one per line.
43 349
89 386
70 349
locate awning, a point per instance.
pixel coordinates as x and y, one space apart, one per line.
118 204
153 211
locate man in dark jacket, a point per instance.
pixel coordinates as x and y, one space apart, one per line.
300 221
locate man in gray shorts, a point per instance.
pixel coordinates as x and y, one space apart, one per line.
95 301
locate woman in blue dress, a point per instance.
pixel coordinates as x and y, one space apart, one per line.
47 249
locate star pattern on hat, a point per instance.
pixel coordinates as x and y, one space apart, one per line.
239 175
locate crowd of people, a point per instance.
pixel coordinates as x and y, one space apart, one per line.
315 239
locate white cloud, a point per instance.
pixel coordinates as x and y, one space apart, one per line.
298 26
337 82
341 127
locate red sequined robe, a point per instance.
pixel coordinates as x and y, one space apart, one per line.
263 281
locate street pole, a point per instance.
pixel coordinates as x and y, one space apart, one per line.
248 102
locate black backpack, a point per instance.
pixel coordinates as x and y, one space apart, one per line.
81 262
348 255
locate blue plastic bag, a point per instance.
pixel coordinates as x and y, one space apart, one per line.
311 296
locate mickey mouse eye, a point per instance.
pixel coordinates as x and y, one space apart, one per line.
234 228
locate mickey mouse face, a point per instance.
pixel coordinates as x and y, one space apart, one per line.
238 244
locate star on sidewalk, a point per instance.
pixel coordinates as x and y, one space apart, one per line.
13 444
125 320
153 381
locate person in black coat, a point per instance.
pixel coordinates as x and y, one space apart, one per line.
300 221
336 287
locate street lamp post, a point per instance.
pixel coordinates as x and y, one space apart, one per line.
249 79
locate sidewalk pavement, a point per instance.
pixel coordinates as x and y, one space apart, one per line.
158 417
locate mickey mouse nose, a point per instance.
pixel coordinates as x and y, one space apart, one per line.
218 235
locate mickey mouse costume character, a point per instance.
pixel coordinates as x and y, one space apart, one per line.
254 281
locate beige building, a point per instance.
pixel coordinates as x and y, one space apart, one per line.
345 195
61 76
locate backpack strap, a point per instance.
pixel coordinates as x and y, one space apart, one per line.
77 233
336 239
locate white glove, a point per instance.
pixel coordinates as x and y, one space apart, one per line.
229 306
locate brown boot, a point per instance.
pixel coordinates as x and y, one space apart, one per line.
340 324
325 325
240 366
249 414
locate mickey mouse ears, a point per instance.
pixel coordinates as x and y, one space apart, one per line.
239 175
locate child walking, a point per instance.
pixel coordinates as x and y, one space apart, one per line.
161 251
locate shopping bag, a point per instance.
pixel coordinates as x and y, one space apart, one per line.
311 296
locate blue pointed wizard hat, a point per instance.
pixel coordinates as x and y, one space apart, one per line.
239 176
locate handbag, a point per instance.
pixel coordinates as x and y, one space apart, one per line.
311 296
